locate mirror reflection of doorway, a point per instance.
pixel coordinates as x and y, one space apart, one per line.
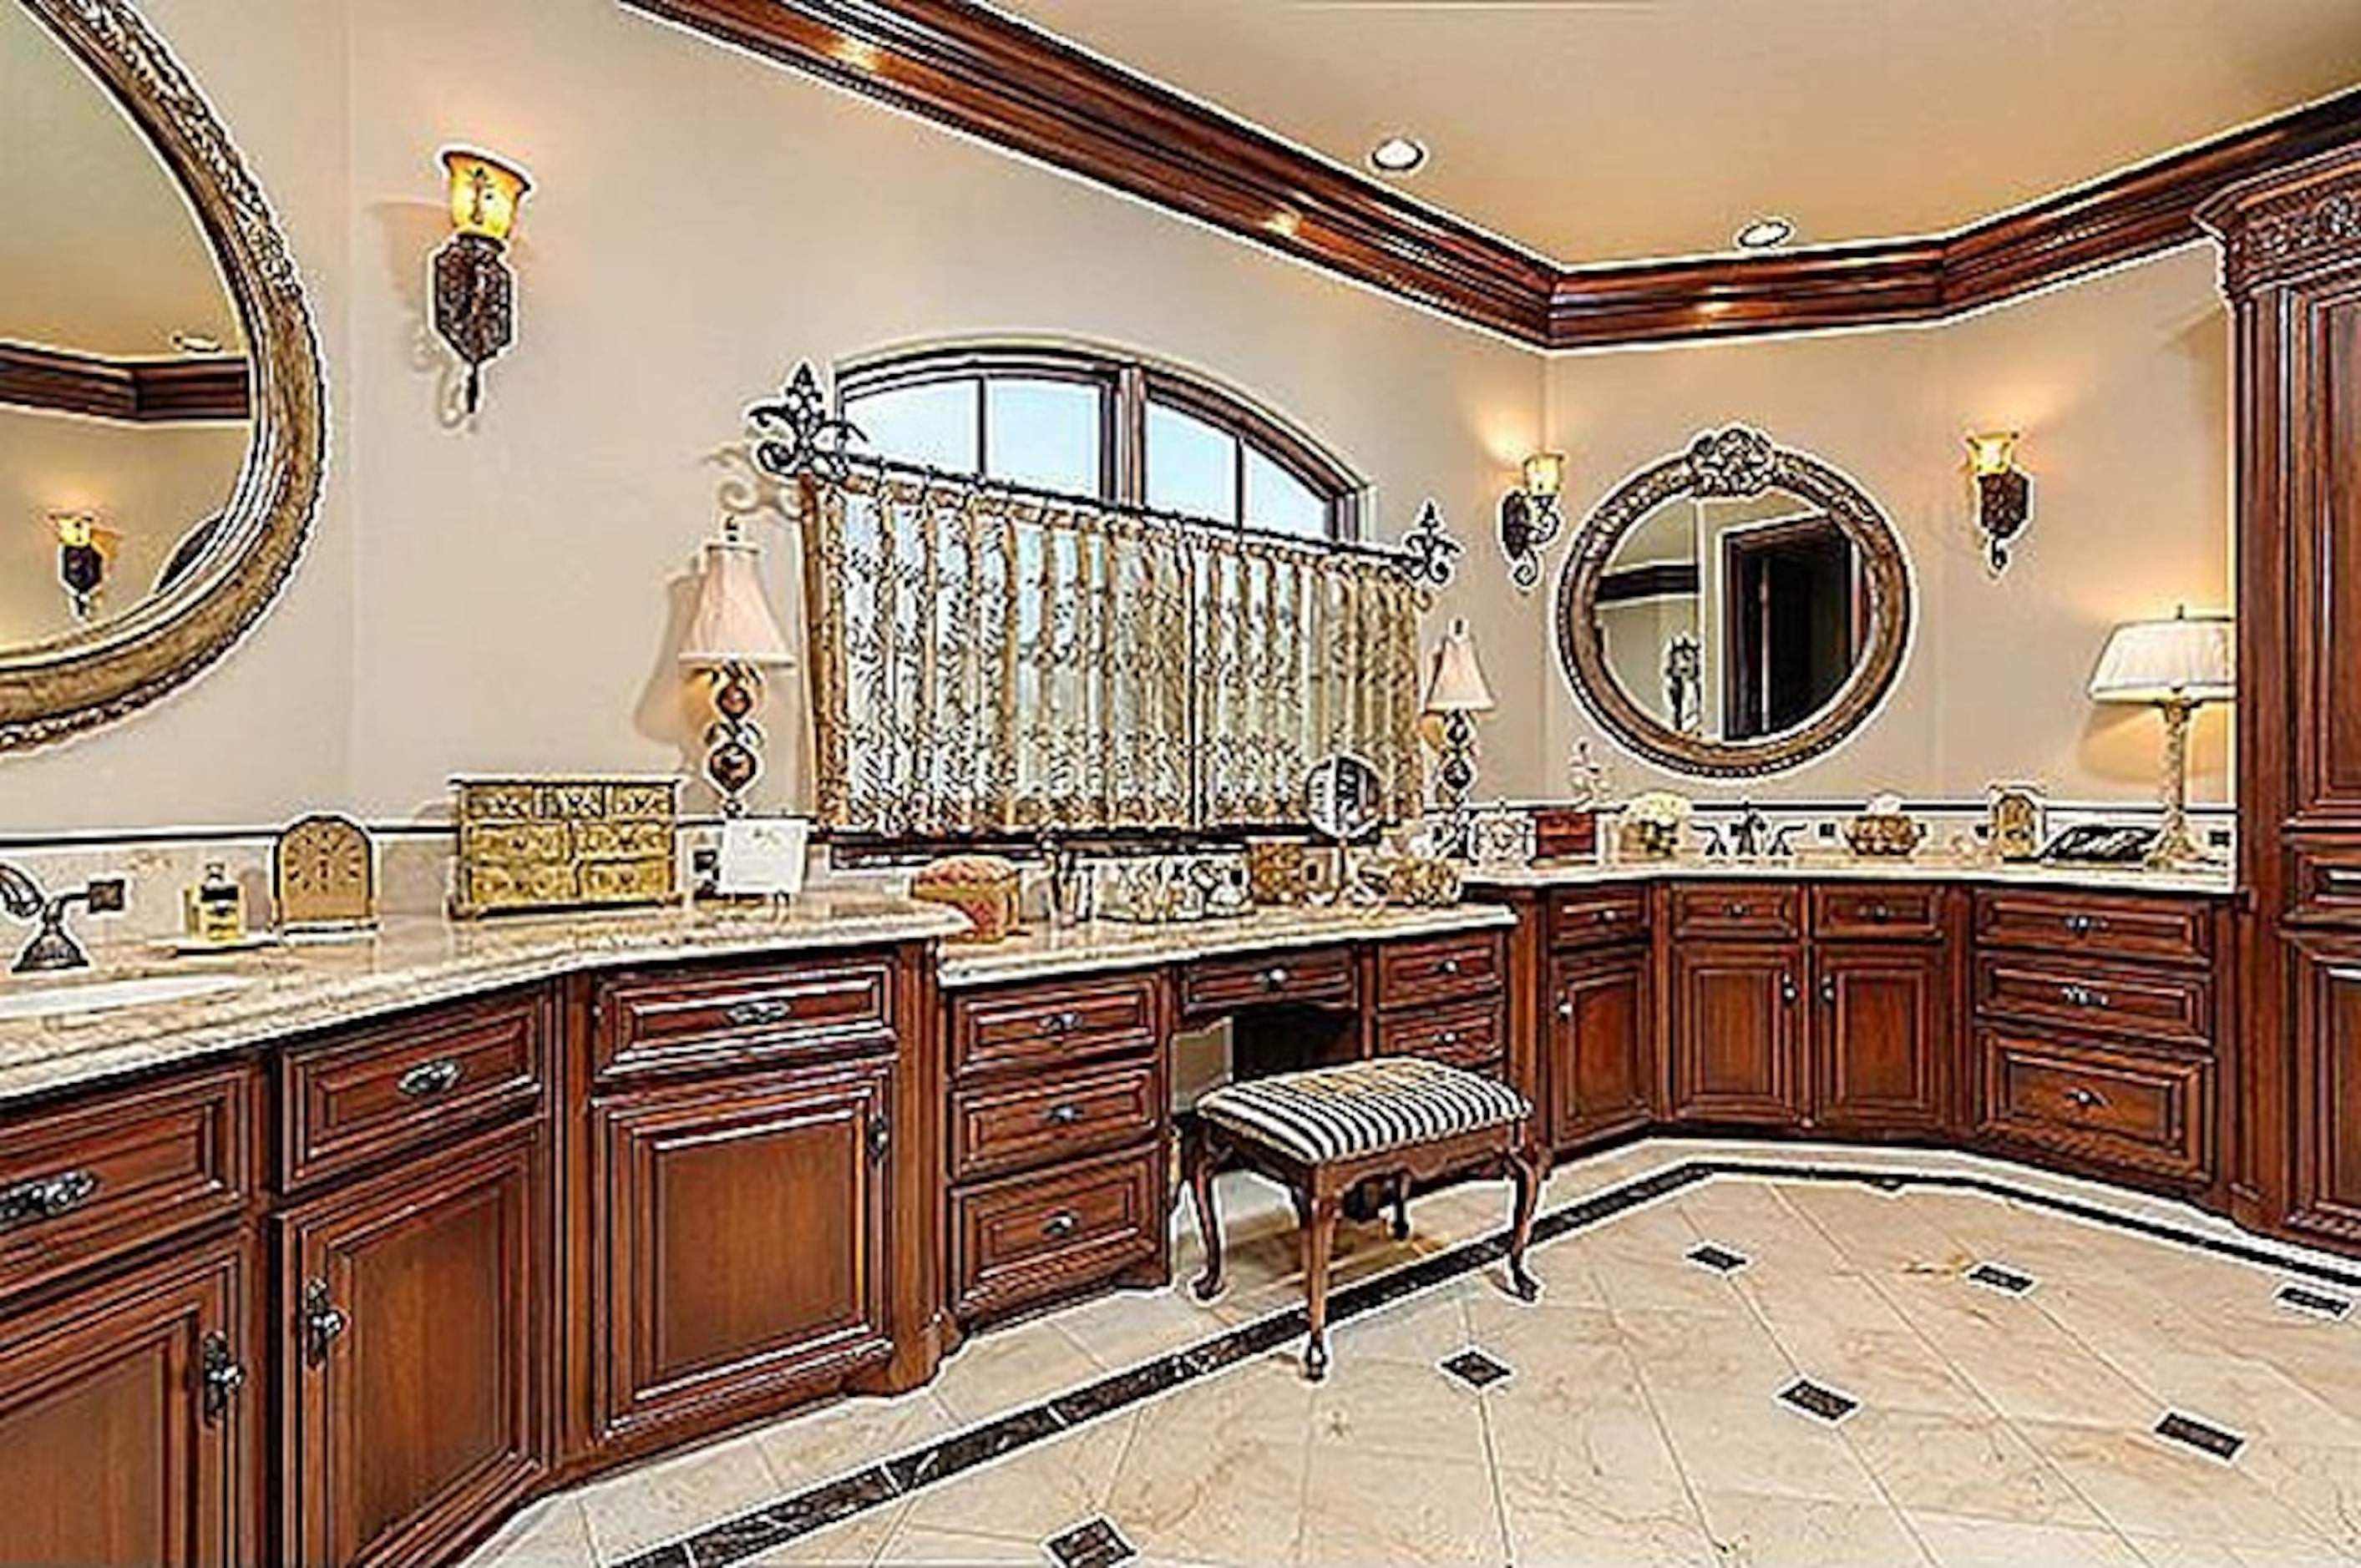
1794 624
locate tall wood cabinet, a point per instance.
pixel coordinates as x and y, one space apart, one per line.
2291 266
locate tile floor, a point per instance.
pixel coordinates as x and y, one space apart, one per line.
1639 1423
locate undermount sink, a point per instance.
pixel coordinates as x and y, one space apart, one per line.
103 995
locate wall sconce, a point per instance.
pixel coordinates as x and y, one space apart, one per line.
732 636
1531 517
81 559
475 295
2004 493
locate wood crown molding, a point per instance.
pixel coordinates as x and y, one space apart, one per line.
141 391
963 65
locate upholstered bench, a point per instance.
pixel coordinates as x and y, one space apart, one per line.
1325 1131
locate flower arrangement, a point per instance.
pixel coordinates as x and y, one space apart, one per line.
1656 819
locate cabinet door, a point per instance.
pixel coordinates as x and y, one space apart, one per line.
1601 1052
2328 1096
744 1244
1737 1032
417 1353
126 1422
1876 1037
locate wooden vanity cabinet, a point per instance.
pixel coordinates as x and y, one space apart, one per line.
1738 1033
1600 1026
1879 1037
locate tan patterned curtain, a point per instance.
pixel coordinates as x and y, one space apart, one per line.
987 663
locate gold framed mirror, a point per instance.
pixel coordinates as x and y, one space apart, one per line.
162 417
1734 609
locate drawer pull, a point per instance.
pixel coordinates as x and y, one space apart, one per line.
2083 996
764 1010
881 1137
1061 1225
1876 913
220 1373
323 1321
428 1080
2083 1099
1064 1116
1449 968
1274 979
1449 1039
1735 910
30 1203
2083 925
1607 916
1064 1023
1787 993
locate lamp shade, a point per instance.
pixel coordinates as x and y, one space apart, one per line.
2190 658
733 623
1456 682
484 192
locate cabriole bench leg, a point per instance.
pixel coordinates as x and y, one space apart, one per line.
1524 1170
1200 1163
1318 1240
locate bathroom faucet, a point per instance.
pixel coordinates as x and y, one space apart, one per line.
1746 834
53 946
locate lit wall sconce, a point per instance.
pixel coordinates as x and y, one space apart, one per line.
1531 517
81 559
475 295
2004 493
732 638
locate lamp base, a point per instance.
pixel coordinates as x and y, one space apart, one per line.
733 757
2176 846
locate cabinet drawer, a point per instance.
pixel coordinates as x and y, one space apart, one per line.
1470 1034
1323 975
2120 1107
1590 917
1439 969
2161 1005
360 1097
91 1181
1873 911
2160 930
1027 1238
1028 1123
1737 909
1042 1026
2324 883
654 1021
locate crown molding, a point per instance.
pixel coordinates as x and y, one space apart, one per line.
966 66
139 391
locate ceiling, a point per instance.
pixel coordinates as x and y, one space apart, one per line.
1608 130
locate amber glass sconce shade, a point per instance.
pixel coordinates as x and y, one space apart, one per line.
474 294
1530 516
81 559
2004 493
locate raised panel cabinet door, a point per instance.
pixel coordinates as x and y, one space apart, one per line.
743 1237
1876 1037
1602 1047
1737 1032
415 1365
2328 1096
2327 320
126 1424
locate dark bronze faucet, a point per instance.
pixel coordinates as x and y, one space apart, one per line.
1746 834
53 946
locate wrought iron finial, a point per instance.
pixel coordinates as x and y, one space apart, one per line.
1428 550
798 435
1733 462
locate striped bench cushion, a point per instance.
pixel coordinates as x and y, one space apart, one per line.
1330 1114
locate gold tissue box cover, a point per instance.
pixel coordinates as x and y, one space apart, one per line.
566 843
1884 833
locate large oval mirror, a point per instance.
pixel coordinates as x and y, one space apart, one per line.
161 436
1734 609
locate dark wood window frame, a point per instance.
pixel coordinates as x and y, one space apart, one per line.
1127 387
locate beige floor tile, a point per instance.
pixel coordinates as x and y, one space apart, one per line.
2030 1369
1032 1494
1684 1353
2322 1484
2144 1487
850 1435
914 1546
552 1533
1668 1283
1760 1530
1887 1370
1739 1440
1545 1334
1423 1328
1595 1439
651 1504
1011 1369
1265 1400
1398 1409
1361 1509
1218 1500
1554 1523
1956 1542
2250 1398
1982 1469
1132 1326
2163 1552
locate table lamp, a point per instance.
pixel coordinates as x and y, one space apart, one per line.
1455 690
2178 665
733 636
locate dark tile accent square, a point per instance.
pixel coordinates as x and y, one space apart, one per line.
2314 1303
1093 1543
1475 1368
2000 1276
1821 1403
1719 1258
2203 1436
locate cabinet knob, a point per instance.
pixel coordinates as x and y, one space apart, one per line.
1566 1010
1828 989
763 1010
30 1203
1449 1039
1735 910
2083 1099
1877 913
881 1137
221 1374
1787 991
1607 916
1448 967
428 1080
2081 997
1064 1116
1061 1224
1064 1023
323 1321
2083 925
1274 979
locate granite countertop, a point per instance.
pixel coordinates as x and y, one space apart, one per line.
283 992
1113 945
2201 882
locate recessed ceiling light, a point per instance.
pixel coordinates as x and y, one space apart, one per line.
1398 155
1764 233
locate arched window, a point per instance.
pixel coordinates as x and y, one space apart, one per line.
1104 426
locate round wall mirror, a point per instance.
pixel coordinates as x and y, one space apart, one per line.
1344 799
162 437
1735 609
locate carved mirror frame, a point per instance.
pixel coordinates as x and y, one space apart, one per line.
1731 463
92 675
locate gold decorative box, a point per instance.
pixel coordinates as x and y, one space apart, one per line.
566 843
1890 834
982 887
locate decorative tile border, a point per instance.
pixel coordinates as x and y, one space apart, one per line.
762 1530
